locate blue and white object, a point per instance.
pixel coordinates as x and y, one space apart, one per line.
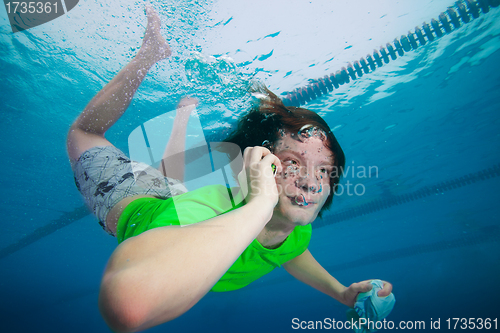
370 308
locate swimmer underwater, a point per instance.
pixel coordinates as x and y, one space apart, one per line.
160 270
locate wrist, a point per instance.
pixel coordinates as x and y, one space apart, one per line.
338 292
260 209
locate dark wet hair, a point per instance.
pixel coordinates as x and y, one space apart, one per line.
265 122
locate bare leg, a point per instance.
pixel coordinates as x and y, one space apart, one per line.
172 163
112 101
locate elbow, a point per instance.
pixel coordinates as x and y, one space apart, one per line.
120 305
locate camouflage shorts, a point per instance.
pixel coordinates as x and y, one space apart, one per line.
105 175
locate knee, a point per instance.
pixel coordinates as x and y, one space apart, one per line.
79 140
72 142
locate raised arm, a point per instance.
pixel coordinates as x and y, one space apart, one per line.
160 274
306 269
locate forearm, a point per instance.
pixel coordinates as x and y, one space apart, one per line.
157 276
306 269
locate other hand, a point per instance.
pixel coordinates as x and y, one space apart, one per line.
349 295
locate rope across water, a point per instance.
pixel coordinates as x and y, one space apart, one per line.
463 12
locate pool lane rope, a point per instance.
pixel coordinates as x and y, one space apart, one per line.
474 237
463 11
466 10
395 200
371 207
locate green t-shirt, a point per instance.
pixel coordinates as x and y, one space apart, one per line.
200 205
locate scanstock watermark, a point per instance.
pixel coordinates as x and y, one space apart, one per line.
28 14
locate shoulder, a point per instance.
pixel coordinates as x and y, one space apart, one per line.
301 235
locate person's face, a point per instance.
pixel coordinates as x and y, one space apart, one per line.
304 183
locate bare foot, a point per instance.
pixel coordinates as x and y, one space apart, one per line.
154 47
186 101
186 106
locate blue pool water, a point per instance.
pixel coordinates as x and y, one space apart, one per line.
428 123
